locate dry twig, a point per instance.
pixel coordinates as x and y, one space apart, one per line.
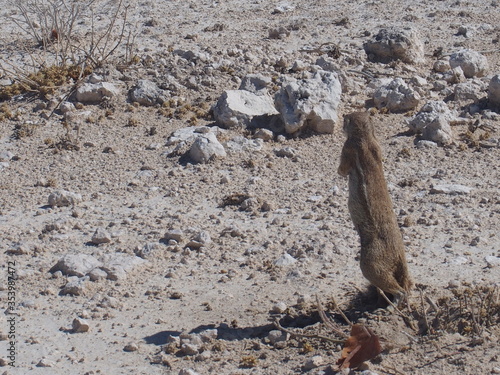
296 334
405 317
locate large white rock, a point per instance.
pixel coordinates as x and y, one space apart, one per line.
433 122
118 265
76 264
147 93
311 102
395 44
244 108
472 63
429 111
205 148
439 131
494 92
95 92
470 90
396 96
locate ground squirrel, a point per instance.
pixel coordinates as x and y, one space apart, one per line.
383 259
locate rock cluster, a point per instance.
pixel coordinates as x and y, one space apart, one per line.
81 268
311 102
63 198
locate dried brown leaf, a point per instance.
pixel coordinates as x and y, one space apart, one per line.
361 346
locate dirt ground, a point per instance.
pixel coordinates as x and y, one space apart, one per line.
236 279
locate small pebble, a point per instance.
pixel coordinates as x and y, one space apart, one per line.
80 325
313 362
276 336
453 284
101 236
190 349
45 363
203 356
188 371
492 261
279 308
285 260
131 347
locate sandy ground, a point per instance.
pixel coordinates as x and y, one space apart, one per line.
130 187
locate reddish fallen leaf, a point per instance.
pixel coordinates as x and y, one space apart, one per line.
361 346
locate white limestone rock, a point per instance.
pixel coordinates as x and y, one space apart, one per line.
188 371
310 103
176 235
194 56
6 156
283 8
75 286
313 362
255 83
471 90
276 336
76 264
429 111
439 131
395 44
189 134
241 144
147 93
205 148
96 92
472 63
100 236
441 66
433 122
62 198
396 96
492 261
241 108
97 274
199 239
285 260
453 76
264 134
66 107
118 265
450 189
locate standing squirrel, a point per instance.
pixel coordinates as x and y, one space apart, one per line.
383 259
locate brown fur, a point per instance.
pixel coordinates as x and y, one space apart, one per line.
383 259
